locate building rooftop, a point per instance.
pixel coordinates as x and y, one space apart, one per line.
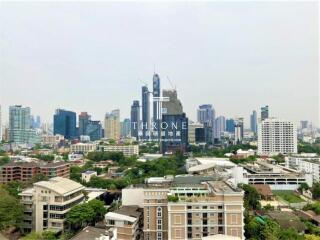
90 233
62 186
287 220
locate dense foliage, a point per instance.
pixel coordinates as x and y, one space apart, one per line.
11 211
85 213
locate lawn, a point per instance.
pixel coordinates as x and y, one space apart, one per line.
288 196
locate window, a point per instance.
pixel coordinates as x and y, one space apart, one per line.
159 224
159 212
159 236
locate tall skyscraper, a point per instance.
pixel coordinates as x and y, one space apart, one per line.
220 127
230 125
174 105
145 112
238 130
20 131
304 124
64 123
94 130
276 136
84 119
156 93
125 128
112 125
254 122
174 124
264 112
135 119
206 115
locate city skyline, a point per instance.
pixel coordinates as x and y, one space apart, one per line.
85 69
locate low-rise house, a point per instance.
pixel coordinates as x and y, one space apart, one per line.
264 191
287 220
127 221
87 175
94 233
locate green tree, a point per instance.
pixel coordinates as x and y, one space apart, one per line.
4 160
316 190
11 211
98 208
80 215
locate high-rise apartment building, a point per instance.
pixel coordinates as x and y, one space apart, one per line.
174 124
230 125
64 123
20 131
264 113
207 115
112 125
145 124
84 119
276 136
219 127
254 122
188 207
125 128
192 131
48 202
135 119
238 130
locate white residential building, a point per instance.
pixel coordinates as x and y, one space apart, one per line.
127 150
47 203
276 136
83 147
308 163
87 175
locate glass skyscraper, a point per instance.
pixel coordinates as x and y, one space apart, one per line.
156 93
135 119
254 122
64 123
20 131
145 111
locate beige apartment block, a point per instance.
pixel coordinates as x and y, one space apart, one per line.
47 203
189 207
127 221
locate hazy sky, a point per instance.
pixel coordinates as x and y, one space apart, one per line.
94 57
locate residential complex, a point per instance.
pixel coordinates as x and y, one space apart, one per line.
112 125
276 136
25 171
187 207
128 221
307 163
83 147
47 203
127 150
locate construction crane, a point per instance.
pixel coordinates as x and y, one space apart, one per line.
173 86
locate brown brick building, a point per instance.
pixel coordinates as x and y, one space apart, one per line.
24 171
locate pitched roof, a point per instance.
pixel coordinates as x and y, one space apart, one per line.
63 186
263 189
